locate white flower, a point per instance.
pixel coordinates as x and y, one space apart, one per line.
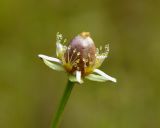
81 59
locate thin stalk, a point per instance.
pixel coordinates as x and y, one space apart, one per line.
62 104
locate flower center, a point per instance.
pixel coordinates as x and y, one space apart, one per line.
80 55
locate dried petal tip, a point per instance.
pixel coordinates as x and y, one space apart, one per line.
85 34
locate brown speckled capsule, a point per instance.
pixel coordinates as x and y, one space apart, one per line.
81 53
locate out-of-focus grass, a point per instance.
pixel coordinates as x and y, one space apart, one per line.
29 91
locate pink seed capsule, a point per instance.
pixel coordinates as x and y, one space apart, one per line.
81 52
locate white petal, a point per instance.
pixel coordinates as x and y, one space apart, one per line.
97 78
50 58
57 67
78 76
105 75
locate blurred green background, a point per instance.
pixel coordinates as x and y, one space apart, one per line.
30 91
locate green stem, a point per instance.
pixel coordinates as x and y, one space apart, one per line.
62 104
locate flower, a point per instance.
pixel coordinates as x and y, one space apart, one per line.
80 59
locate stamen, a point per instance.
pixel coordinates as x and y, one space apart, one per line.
78 53
75 65
90 63
83 59
75 58
89 55
69 47
77 61
74 51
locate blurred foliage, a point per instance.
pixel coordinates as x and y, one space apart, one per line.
30 91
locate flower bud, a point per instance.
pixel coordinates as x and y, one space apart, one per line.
80 53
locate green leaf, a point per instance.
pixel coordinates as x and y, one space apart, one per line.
97 78
54 66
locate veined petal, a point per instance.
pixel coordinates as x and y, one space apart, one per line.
44 57
53 66
97 78
78 77
105 75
